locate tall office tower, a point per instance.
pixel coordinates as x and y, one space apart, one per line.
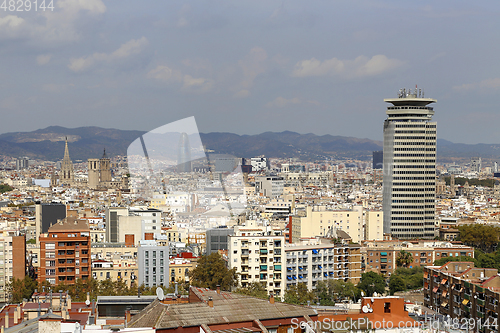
184 154
409 189
67 176
378 159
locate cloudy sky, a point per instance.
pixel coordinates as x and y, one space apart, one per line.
250 66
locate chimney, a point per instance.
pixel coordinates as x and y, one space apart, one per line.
7 319
271 298
176 292
218 289
210 302
68 301
16 314
127 317
88 298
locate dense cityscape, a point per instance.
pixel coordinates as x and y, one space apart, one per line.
159 241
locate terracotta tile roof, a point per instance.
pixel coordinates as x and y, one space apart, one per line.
227 307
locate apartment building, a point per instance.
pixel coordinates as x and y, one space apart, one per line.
12 262
65 252
180 268
269 186
258 258
317 262
381 256
374 229
319 221
153 262
465 293
141 223
108 270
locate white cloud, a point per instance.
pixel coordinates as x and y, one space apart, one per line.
128 49
43 59
197 84
189 83
164 73
49 26
359 67
10 22
281 102
485 84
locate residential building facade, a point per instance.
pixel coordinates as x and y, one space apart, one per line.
65 252
313 263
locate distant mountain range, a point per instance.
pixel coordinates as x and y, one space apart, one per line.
89 142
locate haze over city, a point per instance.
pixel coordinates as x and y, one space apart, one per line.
248 67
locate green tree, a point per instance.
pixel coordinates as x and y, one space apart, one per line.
255 289
372 282
5 188
404 259
298 294
480 236
212 271
442 261
396 283
21 288
330 291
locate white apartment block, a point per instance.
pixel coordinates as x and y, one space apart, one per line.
312 263
258 258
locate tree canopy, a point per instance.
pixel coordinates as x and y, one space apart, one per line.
480 236
298 294
5 188
331 291
372 282
406 279
255 289
212 271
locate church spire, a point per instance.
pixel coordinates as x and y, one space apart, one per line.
67 171
66 151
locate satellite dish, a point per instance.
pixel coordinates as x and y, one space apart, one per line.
87 302
375 294
362 294
159 294
365 309
373 300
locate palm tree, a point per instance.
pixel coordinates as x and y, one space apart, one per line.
404 259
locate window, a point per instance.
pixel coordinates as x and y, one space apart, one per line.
50 246
146 254
387 307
